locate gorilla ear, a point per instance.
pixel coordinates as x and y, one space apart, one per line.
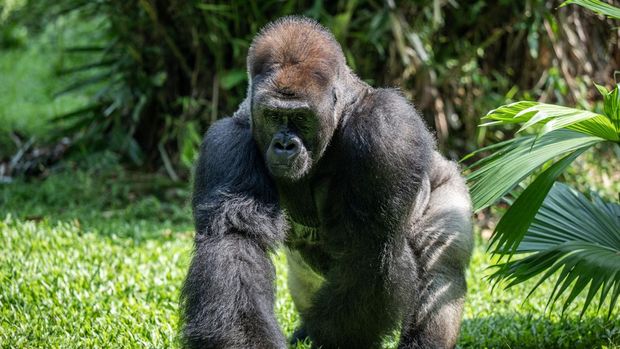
339 89
244 111
257 64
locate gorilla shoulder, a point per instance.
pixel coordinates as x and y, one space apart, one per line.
384 128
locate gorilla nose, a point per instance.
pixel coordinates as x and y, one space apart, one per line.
286 147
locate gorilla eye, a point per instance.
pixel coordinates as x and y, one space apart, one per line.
320 76
262 67
277 118
300 120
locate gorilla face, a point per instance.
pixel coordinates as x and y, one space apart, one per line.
293 97
291 129
287 138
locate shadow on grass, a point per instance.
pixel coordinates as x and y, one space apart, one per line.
536 331
120 203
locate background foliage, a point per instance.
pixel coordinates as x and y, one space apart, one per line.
559 231
157 72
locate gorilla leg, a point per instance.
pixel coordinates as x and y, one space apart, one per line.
303 283
442 243
435 322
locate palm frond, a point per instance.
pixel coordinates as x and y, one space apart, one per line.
512 113
493 179
576 237
611 105
554 117
514 224
596 6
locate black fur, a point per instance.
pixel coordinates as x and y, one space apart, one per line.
379 223
229 292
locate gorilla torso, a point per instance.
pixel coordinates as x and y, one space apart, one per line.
309 206
316 205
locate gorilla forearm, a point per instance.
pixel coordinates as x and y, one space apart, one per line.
228 295
361 301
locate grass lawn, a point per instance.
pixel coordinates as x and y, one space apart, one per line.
96 260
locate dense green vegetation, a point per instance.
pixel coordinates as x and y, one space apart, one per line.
157 72
557 230
562 231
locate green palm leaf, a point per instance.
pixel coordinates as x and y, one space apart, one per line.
576 237
554 117
611 105
512 113
493 179
515 222
596 6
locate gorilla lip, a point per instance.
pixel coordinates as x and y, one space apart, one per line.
281 169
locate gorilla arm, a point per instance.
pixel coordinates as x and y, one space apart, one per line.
228 295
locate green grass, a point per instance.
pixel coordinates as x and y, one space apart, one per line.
96 259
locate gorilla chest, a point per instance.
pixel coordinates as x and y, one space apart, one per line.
305 205
308 207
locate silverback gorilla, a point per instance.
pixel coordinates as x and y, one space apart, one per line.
375 223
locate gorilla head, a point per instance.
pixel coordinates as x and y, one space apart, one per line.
294 67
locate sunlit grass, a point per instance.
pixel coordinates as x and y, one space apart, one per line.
80 268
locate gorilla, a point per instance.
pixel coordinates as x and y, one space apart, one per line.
376 224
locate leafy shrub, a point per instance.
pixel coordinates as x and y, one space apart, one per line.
562 232
165 69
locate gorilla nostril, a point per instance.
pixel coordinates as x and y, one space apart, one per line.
285 146
278 145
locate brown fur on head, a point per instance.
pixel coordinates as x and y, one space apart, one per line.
306 54
295 68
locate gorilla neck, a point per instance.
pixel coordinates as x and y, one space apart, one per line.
297 199
304 202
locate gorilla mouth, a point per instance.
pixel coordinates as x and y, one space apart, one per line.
292 169
281 170
280 167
